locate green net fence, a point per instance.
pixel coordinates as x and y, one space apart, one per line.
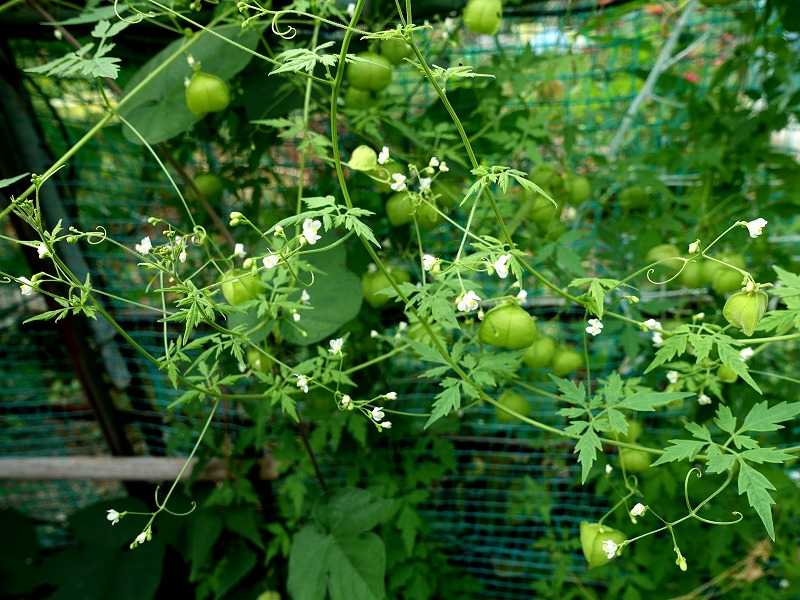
511 488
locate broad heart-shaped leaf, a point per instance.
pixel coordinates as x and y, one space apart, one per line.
159 111
357 568
348 567
335 299
308 564
352 511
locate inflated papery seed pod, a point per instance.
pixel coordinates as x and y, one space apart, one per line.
207 93
593 537
540 353
483 16
508 326
745 309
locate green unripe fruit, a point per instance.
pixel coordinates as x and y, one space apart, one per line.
634 431
540 353
363 158
269 596
239 287
396 50
356 98
513 401
400 210
543 212
207 93
257 361
545 176
726 281
373 283
662 252
552 91
566 361
593 536
448 194
745 309
712 267
372 72
483 16
386 171
726 374
508 326
209 186
578 189
633 197
634 461
692 275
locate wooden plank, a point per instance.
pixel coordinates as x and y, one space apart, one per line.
122 468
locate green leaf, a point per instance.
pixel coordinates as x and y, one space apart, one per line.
308 564
731 358
763 418
699 431
159 111
11 180
680 450
446 402
586 447
335 299
645 401
766 455
757 488
356 568
571 393
718 462
352 511
673 346
725 419
237 562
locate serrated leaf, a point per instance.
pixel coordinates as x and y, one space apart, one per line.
446 402
762 417
731 358
766 455
645 401
757 487
725 419
680 450
719 462
673 346
586 448
699 431
571 393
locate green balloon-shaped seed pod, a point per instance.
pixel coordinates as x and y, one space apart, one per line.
240 286
483 16
566 361
726 374
745 309
207 93
396 50
373 283
371 72
540 353
513 401
634 461
593 542
508 326
209 186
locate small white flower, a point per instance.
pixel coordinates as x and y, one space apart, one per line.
430 263
425 184
501 266
57 34
755 227
672 376
595 327
302 383
652 324
377 414
347 402
658 339
113 516
699 316
144 246
295 316
143 537
434 162
746 353
390 396
305 298
238 250
336 345
41 250
190 60
182 256
235 218
569 213
481 314
638 510
402 326
26 287
399 182
310 229
383 157
373 334
610 548
468 302
351 8
270 261
386 425
609 468
694 247
443 167
279 231
522 295
703 400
